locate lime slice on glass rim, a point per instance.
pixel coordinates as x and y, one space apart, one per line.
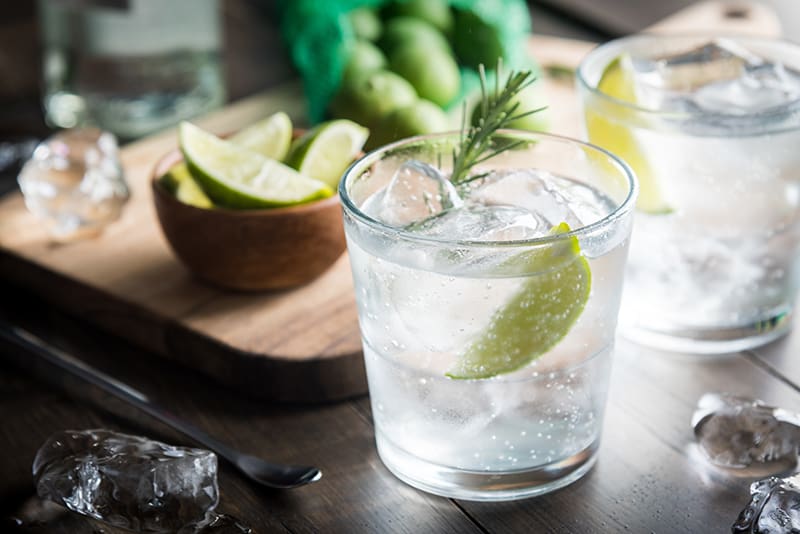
325 151
236 177
537 317
269 137
614 136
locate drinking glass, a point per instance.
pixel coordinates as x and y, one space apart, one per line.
131 67
488 308
710 125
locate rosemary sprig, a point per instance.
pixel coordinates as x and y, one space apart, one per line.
497 110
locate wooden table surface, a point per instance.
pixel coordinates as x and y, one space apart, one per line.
649 476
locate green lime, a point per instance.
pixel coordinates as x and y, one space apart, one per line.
372 96
537 317
437 13
421 117
366 23
325 152
363 59
236 177
615 136
400 31
476 42
179 181
531 99
269 137
432 71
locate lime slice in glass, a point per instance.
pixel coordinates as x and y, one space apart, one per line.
179 181
325 151
236 177
616 137
537 317
269 137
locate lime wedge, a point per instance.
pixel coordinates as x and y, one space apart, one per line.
236 177
617 138
179 181
537 317
325 152
269 137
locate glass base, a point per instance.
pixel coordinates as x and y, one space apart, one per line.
484 485
709 341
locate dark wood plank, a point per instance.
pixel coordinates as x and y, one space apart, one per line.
356 493
616 17
780 357
650 477
298 344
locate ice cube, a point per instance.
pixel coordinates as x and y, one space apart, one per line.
416 192
485 223
717 60
720 77
760 88
74 181
128 481
658 81
738 432
774 508
549 198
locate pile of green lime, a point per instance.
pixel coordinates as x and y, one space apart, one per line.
261 166
404 68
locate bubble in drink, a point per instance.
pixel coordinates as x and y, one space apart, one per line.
487 351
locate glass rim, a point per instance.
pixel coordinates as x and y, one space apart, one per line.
599 50
357 167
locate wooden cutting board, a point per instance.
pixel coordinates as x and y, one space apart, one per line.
296 345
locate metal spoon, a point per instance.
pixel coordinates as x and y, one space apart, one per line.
256 469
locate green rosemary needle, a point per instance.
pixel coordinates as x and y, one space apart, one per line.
497 110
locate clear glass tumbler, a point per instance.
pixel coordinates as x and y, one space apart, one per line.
711 127
131 67
488 308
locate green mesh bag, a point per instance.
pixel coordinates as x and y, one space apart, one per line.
318 34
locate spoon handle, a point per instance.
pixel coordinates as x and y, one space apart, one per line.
110 385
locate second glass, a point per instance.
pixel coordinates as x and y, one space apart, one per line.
488 308
711 127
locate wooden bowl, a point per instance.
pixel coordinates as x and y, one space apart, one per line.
250 250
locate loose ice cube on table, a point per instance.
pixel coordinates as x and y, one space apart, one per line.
774 508
739 432
128 481
416 192
74 181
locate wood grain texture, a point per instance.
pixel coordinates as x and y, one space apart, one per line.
648 478
300 344
620 17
